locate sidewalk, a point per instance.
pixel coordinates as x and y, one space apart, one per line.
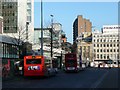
20 77
11 79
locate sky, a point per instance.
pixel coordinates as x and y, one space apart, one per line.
99 13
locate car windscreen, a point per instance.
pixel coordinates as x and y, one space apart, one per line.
33 61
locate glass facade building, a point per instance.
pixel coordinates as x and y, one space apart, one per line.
7 48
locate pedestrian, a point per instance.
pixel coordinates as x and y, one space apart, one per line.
16 68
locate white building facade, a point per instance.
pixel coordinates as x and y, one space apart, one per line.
84 47
18 16
106 44
46 41
57 31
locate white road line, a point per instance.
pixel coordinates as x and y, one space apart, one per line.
99 80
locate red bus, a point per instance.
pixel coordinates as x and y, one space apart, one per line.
37 66
71 62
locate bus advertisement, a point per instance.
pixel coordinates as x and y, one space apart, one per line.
37 66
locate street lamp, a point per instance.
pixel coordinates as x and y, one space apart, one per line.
51 36
41 49
61 61
27 23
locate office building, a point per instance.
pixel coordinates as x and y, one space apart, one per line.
18 18
81 25
84 46
82 38
57 39
106 44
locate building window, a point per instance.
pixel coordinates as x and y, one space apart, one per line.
97 55
94 50
117 50
104 45
3 50
97 50
104 40
114 50
117 45
104 50
29 18
107 45
97 45
110 45
101 56
104 56
114 45
118 56
110 50
100 50
97 40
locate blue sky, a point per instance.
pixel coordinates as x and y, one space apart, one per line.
99 13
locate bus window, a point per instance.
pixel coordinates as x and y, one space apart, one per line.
33 61
71 62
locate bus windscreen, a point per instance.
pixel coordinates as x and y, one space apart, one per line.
33 61
71 62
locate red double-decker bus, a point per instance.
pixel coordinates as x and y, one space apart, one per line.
71 62
37 66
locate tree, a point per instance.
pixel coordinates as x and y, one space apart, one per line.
74 48
20 40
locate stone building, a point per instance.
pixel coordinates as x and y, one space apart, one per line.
106 44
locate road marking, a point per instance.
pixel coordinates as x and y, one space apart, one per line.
99 80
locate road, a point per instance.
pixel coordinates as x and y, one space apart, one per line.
89 78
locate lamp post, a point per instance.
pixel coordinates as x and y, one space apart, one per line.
41 49
51 36
61 61
27 23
